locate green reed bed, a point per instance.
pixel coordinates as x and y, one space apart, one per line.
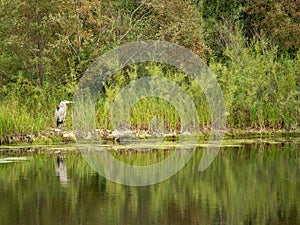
28 109
261 90
15 121
151 113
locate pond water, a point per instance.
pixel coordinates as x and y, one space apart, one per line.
249 182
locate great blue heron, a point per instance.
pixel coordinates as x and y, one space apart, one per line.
61 112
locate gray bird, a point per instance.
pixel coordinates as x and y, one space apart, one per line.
61 112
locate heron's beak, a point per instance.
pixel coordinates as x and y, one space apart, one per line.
68 102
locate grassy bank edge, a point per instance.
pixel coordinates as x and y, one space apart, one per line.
51 136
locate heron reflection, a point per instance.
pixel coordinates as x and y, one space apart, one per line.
61 170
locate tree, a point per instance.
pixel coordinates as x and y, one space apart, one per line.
279 20
220 19
33 41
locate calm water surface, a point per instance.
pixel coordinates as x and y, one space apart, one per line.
249 183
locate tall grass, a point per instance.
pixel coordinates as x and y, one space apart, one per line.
28 109
15 120
152 111
261 89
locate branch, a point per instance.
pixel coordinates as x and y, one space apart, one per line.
137 22
134 11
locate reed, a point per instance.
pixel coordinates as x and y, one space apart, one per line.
260 87
15 121
28 109
149 111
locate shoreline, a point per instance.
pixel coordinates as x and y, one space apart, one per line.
54 136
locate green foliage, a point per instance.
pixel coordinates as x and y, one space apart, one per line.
33 38
253 46
260 88
148 109
219 18
276 20
15 121
27 108
279 20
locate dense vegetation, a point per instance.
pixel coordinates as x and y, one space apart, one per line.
252 46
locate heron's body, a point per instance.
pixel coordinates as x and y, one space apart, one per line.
61 113
61 170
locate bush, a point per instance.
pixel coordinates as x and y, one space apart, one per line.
260 88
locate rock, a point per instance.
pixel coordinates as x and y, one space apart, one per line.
56 130
68 136
122 135
186 133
